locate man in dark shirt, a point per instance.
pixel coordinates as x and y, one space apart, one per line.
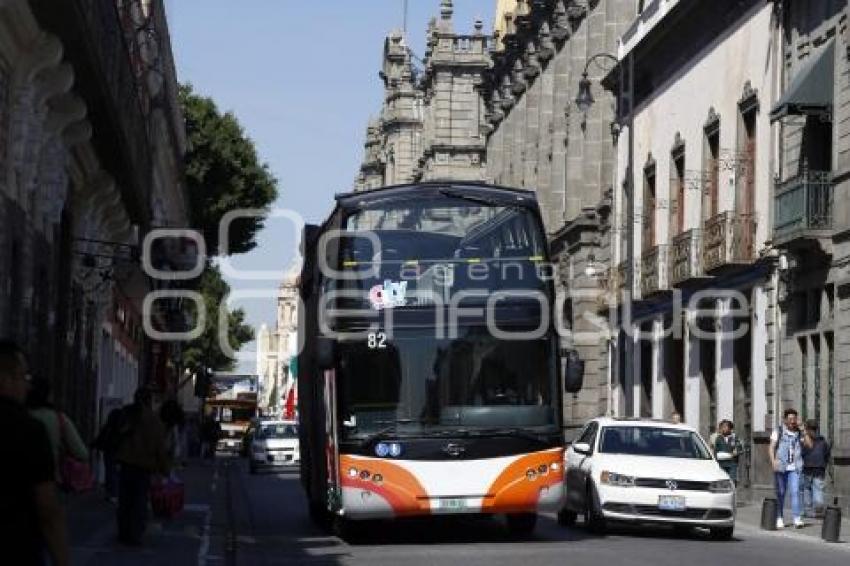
32 525
816 455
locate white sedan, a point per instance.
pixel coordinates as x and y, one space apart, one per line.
646 471
275 444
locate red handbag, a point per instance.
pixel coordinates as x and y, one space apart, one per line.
167 497
74 475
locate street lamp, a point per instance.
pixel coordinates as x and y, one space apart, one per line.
625 117
584 100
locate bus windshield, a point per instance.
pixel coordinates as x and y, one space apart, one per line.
424 250
417 382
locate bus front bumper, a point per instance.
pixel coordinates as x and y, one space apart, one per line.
374 488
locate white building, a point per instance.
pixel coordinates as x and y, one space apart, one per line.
276 349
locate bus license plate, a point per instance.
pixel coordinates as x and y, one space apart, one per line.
451 505
671 503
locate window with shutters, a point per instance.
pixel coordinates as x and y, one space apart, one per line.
649 205
711 166
677 191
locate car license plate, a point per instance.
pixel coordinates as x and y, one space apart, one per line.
671 503
451 505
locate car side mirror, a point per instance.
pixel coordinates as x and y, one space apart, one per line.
582 448
325 352
573 371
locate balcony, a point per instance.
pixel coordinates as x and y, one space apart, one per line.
803 207
654 271
686 257
728 241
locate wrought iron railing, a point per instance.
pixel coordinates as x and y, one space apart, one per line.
686 256
653 271
728 238
803 203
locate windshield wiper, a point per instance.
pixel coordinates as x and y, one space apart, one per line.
384 433
506 431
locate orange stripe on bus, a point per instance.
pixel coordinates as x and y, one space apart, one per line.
398 487
513 492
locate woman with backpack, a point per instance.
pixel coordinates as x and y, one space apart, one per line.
69 451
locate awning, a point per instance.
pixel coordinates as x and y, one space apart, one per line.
810 93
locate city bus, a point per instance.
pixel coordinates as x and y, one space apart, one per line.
429 366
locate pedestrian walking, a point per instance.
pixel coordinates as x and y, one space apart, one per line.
107 442
787 460
727 449
64 438
816 456
32 522
140 454
172 416
210 435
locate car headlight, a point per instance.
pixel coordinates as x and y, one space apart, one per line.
619 480
721 486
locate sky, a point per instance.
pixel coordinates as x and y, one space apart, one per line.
302 78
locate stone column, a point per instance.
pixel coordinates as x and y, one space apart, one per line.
724 372
758 372
692 372
635 377
659 382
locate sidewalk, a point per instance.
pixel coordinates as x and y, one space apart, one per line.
750 516
188 538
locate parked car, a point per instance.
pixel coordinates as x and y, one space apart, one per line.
645 471
274 444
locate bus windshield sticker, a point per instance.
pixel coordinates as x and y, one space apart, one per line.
388 295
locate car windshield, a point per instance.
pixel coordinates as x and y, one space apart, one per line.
277 431
653 441
414 382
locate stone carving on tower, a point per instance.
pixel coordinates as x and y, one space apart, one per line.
432 125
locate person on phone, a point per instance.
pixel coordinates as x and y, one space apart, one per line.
786 457
727 449
816 455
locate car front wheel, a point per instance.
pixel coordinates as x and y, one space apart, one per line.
721 533
593 518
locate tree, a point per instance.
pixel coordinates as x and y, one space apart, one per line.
205 351
223 173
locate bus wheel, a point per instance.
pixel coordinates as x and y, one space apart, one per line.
520 524
567 517
350 531
320 516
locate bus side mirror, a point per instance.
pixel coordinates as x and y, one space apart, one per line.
573 371
325 352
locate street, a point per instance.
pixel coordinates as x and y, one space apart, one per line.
270 525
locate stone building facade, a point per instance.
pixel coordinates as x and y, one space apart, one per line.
811 222
539 140
430 124
91 143
739 199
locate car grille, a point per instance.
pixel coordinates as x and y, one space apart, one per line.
681 485
654 511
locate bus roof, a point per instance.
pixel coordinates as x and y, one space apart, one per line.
495 193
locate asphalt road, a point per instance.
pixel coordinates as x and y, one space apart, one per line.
269 525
